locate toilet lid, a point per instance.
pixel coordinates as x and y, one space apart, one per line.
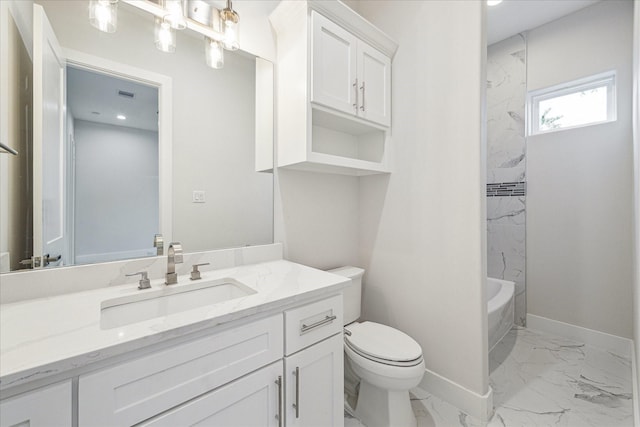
382 342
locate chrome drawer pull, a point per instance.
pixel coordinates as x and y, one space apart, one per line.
307 328
296 405
279 414
355 86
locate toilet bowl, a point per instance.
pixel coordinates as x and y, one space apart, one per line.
387 361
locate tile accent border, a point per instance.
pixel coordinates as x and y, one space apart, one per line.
498 189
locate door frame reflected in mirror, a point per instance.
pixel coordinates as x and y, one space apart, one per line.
163 83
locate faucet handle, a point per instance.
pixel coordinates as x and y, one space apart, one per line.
177 252
144 282
158 242
195 273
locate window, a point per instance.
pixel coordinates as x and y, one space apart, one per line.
578 103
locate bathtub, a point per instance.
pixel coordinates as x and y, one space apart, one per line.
500 308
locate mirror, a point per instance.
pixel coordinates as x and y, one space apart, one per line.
217 195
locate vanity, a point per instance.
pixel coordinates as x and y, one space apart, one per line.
269 352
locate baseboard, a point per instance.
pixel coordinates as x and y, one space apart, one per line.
613 343
634 379
469 402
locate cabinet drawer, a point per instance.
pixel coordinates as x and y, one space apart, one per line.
311 323
137 390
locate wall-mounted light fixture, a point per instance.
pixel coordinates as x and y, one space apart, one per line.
220 28
103 14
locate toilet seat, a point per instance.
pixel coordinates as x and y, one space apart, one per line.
383 344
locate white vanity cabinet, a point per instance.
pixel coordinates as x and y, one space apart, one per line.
222 365
313 365
46 407
140 389
333 90
348 74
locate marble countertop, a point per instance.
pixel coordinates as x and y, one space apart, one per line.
47 336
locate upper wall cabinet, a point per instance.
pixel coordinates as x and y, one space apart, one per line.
334 89
348 74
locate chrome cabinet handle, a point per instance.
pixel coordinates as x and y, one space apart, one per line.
296 405
327 319
355 87
362 88
279 414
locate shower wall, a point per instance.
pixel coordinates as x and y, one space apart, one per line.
506 174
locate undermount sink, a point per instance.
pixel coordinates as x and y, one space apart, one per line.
169 300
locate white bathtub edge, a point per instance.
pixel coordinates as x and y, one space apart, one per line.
469 402
613 343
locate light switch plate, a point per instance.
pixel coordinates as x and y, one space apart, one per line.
198 196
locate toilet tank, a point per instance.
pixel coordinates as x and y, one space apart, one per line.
352 293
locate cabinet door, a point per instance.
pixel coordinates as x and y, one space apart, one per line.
49 406
374 80
333 65
253 400
314 389
136 390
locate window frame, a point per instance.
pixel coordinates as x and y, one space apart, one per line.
534 97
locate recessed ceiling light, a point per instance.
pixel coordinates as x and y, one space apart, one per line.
121 117
493 2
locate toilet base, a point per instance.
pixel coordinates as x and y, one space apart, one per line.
377 407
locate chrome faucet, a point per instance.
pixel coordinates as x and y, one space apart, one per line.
174 256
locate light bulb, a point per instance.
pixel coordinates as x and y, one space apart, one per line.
230 27
165 36
493 2
103 15
214 53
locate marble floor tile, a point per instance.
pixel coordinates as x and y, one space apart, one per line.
542 380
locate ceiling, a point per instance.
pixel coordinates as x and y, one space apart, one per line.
95 97
515 16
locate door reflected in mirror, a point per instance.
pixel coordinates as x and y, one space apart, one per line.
112 132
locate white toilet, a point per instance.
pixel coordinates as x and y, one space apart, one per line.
388 362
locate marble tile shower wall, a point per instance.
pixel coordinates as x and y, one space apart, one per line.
506 173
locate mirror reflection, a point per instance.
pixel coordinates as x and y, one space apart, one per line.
112 136
113 198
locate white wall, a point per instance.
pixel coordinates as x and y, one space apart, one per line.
636 188
317 218
116 191
422 228
579 262
213 126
